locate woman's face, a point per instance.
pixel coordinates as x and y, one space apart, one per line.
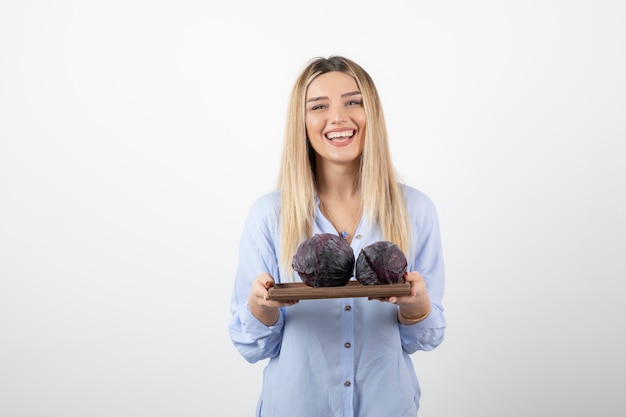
335 117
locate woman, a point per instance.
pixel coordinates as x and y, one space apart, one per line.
347 356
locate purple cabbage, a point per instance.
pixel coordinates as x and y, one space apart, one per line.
324 260
381 263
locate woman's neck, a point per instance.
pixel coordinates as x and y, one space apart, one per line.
338 182
340 200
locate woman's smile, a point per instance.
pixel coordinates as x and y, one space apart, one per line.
342 137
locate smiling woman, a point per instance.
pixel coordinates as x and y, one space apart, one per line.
335 118
337 178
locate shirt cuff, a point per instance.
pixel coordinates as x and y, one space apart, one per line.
257 327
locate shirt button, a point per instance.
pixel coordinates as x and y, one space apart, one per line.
347 345
348 308
347 384
357 237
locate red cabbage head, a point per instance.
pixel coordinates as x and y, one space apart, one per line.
381 263
324 260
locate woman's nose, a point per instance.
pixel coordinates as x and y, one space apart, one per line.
338 115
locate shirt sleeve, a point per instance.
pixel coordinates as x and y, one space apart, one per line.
426 258
257 254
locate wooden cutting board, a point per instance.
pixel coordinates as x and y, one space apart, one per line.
301 291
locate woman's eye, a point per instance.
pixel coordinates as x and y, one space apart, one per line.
317 107
354 103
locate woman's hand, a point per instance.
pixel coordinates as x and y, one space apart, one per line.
259 302
414 307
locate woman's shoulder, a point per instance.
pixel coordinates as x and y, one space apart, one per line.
421 208
267 201
414 196
265 208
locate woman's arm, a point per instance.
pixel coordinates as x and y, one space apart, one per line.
256 324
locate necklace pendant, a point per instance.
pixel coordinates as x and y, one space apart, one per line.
344 234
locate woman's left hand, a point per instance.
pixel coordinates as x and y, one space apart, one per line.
415 306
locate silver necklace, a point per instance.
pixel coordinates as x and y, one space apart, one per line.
344 233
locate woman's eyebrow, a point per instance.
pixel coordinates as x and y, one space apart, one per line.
351 93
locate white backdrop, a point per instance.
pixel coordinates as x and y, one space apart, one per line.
135 135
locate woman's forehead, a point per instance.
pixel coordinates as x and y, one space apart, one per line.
332 84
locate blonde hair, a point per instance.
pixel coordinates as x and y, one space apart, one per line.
382 196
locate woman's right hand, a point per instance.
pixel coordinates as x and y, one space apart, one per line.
259 302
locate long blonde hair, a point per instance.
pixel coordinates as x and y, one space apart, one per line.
382 196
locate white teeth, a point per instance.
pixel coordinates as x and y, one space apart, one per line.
344 134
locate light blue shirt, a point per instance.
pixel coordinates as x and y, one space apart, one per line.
342 357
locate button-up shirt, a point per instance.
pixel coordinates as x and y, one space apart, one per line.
336 357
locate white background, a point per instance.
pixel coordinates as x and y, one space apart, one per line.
135 135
